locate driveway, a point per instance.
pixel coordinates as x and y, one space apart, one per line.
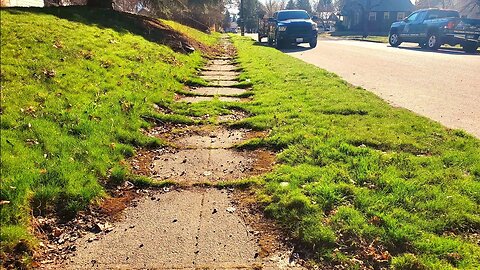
443 85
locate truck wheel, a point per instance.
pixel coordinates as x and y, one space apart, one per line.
313 43
394 40
278 44
269 41
433 41
470 47
259 38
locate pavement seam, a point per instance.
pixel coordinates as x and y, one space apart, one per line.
197 241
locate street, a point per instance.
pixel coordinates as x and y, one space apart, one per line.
443 85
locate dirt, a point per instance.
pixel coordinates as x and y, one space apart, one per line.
189 227
236 115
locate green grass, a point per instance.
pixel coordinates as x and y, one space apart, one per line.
78 86
351 167
359 36
193 33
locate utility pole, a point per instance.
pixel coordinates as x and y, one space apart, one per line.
242 19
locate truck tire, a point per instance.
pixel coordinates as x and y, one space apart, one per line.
470 47
313 43
394 39
269 41
278 44
433 41
259 38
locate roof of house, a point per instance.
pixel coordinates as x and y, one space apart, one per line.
392 5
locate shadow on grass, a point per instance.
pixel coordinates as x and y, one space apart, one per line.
150 29
285 48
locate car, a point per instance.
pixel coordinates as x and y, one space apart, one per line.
291 27
431 28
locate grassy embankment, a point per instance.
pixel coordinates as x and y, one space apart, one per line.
354 170
76 84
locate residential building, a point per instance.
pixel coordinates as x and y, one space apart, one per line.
375 15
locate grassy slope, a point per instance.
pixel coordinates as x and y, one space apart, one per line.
192 33
359 169
75 83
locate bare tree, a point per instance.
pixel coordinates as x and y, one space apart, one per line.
282 4
271 6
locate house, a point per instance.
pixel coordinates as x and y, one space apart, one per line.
374 15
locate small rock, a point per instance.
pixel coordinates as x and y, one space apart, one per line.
214 211
284 184
230 209
91 239
207 173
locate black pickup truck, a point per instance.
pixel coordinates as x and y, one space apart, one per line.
431 28
290 26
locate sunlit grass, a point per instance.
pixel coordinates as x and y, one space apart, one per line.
77 84
352 167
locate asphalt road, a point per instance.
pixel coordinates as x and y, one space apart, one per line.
443 85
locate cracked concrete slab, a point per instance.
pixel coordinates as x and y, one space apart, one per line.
202 165
221 67
173 230
196 99
219 73
224 91
223 83
206 138
219 62
219 78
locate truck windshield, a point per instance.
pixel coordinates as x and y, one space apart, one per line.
291 15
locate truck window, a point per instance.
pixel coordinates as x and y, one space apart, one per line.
421 16
294 14
437 14
412 17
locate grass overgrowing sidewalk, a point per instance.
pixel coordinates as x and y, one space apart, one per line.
357 177
77 84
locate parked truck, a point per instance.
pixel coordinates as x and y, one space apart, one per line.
287 27
431 28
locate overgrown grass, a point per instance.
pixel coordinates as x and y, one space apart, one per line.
352 168
193 33
77 84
